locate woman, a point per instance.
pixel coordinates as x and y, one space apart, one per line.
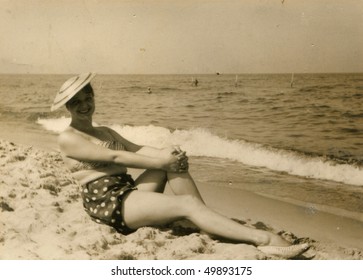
99 157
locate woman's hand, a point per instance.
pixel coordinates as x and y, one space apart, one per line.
183 162
177 163
174 150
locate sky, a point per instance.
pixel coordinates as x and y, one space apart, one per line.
181 36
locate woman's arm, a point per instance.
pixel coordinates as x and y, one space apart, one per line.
164 153
145 150
77 147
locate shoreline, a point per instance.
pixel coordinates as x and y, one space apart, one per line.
42 218
314 207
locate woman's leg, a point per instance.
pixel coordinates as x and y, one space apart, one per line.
152 181
155 181
183 183
148 208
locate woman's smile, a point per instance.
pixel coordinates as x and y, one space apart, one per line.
84 111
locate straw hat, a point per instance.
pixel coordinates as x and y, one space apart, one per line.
70 88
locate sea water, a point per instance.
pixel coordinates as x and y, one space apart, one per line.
297 141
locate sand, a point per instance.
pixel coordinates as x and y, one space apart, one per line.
41 217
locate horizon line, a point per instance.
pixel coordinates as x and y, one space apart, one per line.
185 74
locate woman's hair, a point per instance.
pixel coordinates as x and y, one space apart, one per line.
87 88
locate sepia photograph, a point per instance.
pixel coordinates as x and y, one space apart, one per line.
181 130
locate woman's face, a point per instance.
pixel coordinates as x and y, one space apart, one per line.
82 105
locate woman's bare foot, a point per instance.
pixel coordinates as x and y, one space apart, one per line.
277 240
285 252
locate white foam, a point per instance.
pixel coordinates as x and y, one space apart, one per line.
55 125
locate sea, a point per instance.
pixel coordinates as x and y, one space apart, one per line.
291 137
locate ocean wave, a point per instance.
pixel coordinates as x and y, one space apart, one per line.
55 125
227 93
201 142
33 116
318 88
169 89
352 115
350 130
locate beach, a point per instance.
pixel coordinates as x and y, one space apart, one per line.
42 218
270 156
265 98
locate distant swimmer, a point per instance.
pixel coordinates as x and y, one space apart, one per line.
195 82
149 90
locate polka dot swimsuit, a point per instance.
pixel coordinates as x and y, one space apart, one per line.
102 200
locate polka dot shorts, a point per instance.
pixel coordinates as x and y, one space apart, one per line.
102 200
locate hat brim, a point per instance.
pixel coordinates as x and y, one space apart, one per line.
70 88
